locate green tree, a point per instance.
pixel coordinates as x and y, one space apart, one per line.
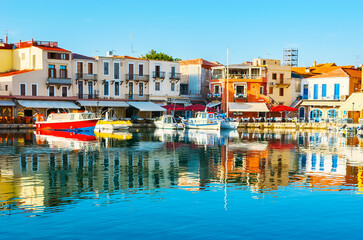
154 55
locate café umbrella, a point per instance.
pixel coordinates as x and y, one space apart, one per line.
174 107
283 108
198 107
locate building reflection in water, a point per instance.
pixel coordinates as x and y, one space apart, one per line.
43 172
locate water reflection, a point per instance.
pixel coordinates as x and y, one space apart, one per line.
47 171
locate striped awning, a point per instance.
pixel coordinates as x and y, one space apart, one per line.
48 104
7 103
103 103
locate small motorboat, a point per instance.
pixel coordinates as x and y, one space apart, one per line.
107 124
168 122
84 121
227 123
204 120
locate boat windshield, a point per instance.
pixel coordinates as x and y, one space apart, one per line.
87 115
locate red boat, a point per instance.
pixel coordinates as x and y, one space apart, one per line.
68 122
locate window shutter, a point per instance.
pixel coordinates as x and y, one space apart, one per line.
67 56
49 55
49 72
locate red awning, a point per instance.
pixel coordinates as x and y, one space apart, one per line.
198 107
283 108
174 107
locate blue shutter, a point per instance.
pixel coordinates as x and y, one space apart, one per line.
316 91
323 94
337 91
306 91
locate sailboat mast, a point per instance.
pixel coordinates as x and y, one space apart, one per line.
227 87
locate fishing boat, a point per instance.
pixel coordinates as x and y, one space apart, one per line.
227 123
204 120
107 124
84 121
168 122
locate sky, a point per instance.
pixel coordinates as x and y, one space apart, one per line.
323 31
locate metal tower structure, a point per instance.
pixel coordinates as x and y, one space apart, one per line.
291 57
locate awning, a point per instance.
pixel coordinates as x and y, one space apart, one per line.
103 103
213 104
47 104
6 103
247 107
322 103
146 106
357 99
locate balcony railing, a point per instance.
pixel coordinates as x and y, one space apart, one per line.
214 96
240 96
86 76
137 77
89 96
157 74
137 97
59 81
174 76
237 76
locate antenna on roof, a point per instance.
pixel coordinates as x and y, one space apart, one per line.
132 43
356 60
6 36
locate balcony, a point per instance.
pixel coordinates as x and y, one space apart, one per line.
94 95
59 81
158 75
86 76
240 96
214 96
174 76
237 76
137 77
137 97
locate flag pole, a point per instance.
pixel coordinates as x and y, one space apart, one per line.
227 88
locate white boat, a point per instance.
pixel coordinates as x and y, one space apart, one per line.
107 124
360 130
168 122
204 120
227 123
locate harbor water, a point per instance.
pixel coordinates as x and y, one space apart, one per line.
180 184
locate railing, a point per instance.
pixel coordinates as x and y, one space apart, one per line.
157 74
59 81
89 96
137 77
173 75
86 76
240 96
137 97
237 76
191 93
214 96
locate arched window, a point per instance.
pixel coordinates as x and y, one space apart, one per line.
332 113
316 114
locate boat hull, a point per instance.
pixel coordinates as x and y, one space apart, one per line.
229 125
208 126
169 125
84 125
112 125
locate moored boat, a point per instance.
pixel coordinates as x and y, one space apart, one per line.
107 124
204 120
84 121
168 122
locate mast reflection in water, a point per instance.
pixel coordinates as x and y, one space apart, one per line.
153 177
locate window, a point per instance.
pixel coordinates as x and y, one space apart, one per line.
184 89
172 87
117 88
274 76
106 68
157 86
216 89
64 91
141 70
323 90
271 90
141 89
63 71
116 70
90 68
263 62
336 91
106 88
306 91
51 71
34 89
172 72
6 87
316 89
281 78
281 92
332 113
261 90
240 90
61 56
22 89
51 91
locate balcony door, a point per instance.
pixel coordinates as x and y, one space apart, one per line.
157 71
131 90
90 90
80 89
79 69
131 71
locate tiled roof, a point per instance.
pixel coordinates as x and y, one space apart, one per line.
79 56
6 46
200 61
340 72
128 57
53 49
7 74
318 70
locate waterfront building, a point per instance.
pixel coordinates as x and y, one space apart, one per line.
195 80
323 94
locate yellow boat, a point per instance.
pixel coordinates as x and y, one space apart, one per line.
107 124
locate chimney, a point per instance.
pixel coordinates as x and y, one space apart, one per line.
109 53
307 70
314 64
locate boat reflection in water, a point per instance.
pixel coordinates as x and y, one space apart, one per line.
40 175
